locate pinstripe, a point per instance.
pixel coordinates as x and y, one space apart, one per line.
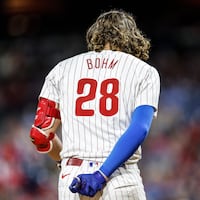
116 188
93 137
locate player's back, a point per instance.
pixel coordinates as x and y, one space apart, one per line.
97 94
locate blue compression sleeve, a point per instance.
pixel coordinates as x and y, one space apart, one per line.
130 140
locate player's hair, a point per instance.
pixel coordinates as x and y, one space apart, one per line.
119 29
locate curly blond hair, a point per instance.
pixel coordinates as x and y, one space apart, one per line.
119 29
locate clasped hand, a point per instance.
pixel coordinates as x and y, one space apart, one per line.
88 184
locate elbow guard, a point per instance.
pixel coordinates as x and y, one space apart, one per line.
42 131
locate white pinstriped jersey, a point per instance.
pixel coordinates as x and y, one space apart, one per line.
97 92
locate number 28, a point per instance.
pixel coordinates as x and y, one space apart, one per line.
105 95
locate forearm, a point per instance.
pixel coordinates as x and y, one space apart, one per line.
56 149
46 125
130 140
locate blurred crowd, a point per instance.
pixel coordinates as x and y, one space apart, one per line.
25 174
170 165
171 153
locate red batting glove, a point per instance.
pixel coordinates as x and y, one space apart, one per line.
42 142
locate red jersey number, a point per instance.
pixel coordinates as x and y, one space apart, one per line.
105 96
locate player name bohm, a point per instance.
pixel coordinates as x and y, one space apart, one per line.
101 63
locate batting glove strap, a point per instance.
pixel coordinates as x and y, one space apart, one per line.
105 177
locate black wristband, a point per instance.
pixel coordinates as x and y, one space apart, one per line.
58 164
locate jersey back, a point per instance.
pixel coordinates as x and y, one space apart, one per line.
97 93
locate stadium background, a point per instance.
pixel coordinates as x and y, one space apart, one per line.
35 35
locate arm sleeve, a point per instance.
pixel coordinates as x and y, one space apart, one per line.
130 140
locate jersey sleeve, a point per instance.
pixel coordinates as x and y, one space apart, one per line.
149 90
50 88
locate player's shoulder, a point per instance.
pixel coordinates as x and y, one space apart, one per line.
58 69
143 67
72 58
139 63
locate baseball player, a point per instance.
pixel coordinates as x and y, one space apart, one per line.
104 101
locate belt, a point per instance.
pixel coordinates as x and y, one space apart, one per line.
74 161
78 162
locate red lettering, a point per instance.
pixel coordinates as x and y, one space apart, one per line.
112 64
89 63
104 63
97 63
